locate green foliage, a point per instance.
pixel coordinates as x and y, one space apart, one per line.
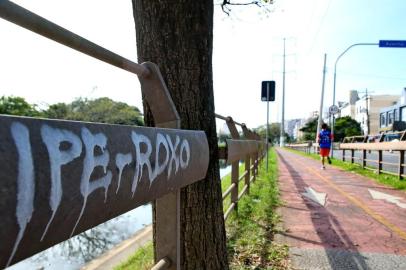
102 110
17 106
274 132
142 259
310 130
345 127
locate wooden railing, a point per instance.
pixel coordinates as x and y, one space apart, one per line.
304 147
250 150
380 148
60 178
393 150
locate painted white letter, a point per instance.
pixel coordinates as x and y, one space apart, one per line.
184 147
25 181
53 137
89 163
142 158
174 157
160 140
121 161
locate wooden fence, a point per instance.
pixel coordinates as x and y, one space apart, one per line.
60 178
361 144
250 150
399 147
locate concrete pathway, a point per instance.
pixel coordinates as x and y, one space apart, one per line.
338 220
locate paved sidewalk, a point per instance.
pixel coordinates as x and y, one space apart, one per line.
338 220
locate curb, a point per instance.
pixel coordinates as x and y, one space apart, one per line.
121 252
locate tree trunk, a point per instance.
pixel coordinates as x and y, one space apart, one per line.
178 36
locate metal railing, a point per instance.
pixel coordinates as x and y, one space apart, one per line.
50 166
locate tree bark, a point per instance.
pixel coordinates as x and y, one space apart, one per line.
177 35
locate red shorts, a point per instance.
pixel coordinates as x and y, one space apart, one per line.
324 152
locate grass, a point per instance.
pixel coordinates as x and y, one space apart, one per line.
142 259
226 182
385 179
249 232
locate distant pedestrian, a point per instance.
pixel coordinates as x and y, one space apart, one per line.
324 139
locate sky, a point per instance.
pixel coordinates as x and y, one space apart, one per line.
248 49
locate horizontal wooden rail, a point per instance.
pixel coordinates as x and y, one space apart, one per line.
232 205
384 146
243 175
229 189
389 163
242 192
371 160
251 179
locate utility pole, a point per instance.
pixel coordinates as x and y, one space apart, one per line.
282 134
322 98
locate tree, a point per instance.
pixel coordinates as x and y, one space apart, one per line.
345 127
102 110
274 132
178 37
310 130
17 106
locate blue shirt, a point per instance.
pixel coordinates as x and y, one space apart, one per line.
325 139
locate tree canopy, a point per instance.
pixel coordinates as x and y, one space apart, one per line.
345 127
102 110
274 132
310 130
17 106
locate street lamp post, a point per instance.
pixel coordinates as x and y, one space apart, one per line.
335 79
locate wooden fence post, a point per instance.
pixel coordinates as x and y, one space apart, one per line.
234 180
401 163
364 157
235 165
352 155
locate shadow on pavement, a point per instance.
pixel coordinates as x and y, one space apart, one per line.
333 237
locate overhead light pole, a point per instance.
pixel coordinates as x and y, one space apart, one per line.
381 44
282 134
335 79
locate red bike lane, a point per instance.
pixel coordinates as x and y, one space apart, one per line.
337 210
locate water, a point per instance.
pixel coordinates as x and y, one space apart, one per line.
225 171
75 252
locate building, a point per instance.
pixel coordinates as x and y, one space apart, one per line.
367 111
393 118
290 127
348 108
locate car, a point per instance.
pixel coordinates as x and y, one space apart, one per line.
391 137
